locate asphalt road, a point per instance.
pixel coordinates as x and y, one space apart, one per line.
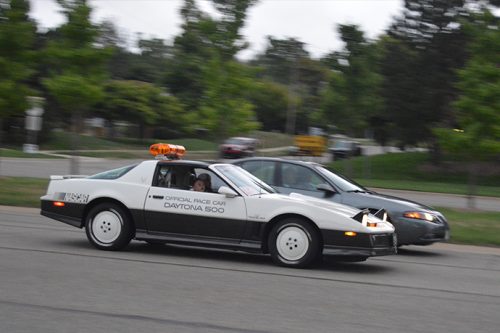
53 281
43 168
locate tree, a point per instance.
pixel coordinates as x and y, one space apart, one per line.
204 74
225 110
285 61
431 29
270 102
478 120
77 67
17 36
141 103
353 96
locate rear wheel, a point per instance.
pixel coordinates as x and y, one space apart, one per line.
108 227
294 243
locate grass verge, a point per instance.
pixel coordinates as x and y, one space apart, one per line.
473 227
467 227
26 192
413 171
437 187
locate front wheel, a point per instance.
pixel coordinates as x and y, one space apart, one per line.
108 227
294 243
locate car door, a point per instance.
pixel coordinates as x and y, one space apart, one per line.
299 179
173 209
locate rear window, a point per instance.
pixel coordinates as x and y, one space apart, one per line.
113 174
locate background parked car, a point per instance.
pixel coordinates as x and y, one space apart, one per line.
415 223
345 149
237 147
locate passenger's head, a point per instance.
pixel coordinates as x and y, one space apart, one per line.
202 183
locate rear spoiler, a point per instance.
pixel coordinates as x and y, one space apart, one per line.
57 177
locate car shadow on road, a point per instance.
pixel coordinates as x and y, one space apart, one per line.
201 253
364 267
163 251
416 252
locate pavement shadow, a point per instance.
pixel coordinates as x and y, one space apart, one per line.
413 252
200 253
364 267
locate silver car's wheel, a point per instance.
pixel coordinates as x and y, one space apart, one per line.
293 242
108 227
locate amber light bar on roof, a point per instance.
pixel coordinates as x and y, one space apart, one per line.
167 149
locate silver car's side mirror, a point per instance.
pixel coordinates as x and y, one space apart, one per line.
326 188
229 193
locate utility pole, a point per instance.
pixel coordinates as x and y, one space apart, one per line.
292 106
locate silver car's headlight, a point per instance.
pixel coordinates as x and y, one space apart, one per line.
420 216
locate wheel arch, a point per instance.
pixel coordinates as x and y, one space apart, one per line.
98 201
269 226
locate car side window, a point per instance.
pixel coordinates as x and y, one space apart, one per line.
215 181
174 176
299 177
264 170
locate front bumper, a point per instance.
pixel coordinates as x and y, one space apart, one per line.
419 232
365 245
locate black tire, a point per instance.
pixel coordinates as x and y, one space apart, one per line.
293 242
108 227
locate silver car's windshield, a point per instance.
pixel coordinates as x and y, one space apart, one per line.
344 184
247 183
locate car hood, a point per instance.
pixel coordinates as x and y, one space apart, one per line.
338 208
388 201
234 146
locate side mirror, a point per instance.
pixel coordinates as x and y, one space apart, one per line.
328 189
229 193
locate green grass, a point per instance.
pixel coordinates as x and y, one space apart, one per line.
467 227
17 191
413 171
437 187
473 227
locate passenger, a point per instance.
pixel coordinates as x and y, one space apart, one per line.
203 183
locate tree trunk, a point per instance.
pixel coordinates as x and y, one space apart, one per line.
74 163
471 186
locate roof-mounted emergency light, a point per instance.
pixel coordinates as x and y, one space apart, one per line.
166 150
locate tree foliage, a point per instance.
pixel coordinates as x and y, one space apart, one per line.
17 37
77 65
478 135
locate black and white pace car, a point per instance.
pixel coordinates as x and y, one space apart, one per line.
154 201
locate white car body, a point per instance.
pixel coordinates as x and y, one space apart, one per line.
233 216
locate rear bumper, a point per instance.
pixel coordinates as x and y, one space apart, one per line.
70 213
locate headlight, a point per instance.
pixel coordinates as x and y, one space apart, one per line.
420 216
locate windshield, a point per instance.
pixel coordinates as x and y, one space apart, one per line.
341 182
236 142
246 182
342 144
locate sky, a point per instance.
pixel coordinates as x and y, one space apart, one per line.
310 21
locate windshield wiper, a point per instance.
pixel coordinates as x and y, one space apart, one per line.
357 191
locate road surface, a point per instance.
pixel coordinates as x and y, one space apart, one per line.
53 281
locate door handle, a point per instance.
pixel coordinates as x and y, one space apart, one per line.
158 197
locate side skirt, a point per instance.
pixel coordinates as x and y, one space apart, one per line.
220 243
